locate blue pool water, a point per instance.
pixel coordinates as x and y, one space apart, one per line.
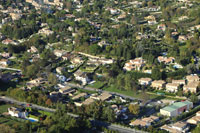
32 120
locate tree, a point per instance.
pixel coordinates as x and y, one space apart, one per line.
134 19
6 129
108 114
31 71
194 98
134 109
48 102
156 74
52 79
197 129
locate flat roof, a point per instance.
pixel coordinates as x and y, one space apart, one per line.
176 105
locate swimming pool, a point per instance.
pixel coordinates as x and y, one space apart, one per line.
32 119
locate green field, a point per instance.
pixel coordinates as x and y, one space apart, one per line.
4 108
38 112
129 93
97 85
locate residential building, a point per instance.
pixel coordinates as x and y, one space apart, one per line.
145 81
59 70
145 122
182 38
158 84
178 127
191 86
191 78
180 82
135 64
88 101
4 62
194 120
59 53
33 49
68 56
104 96
35 83
172 87
54 94
161 27
16 112
176 108
79 96
15 16
77 60
81 76
66 90
166 60
45 31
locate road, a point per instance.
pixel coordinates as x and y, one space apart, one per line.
98 90
115 127
7 68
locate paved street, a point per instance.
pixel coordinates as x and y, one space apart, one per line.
94 89
119 128
13 69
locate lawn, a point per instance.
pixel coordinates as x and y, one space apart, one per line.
45 113
97 85
33 112
7 121
86 91
4 108
128 92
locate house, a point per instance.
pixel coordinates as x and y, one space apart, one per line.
106 61
66 90
153 8
35 83
182 38
59 53
166 60
79 96
103 43
161 27
4 62
151 17
114 11
183 18
178 127
135 64
81 76
195 119
152 22
104 96
176 108
172 87
145 122
191 86
54 94
180 82
77 60
45 31
68 56
33 49
59 70
145 81
88 101
192 78
9 41
158 84
15 16
16 112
